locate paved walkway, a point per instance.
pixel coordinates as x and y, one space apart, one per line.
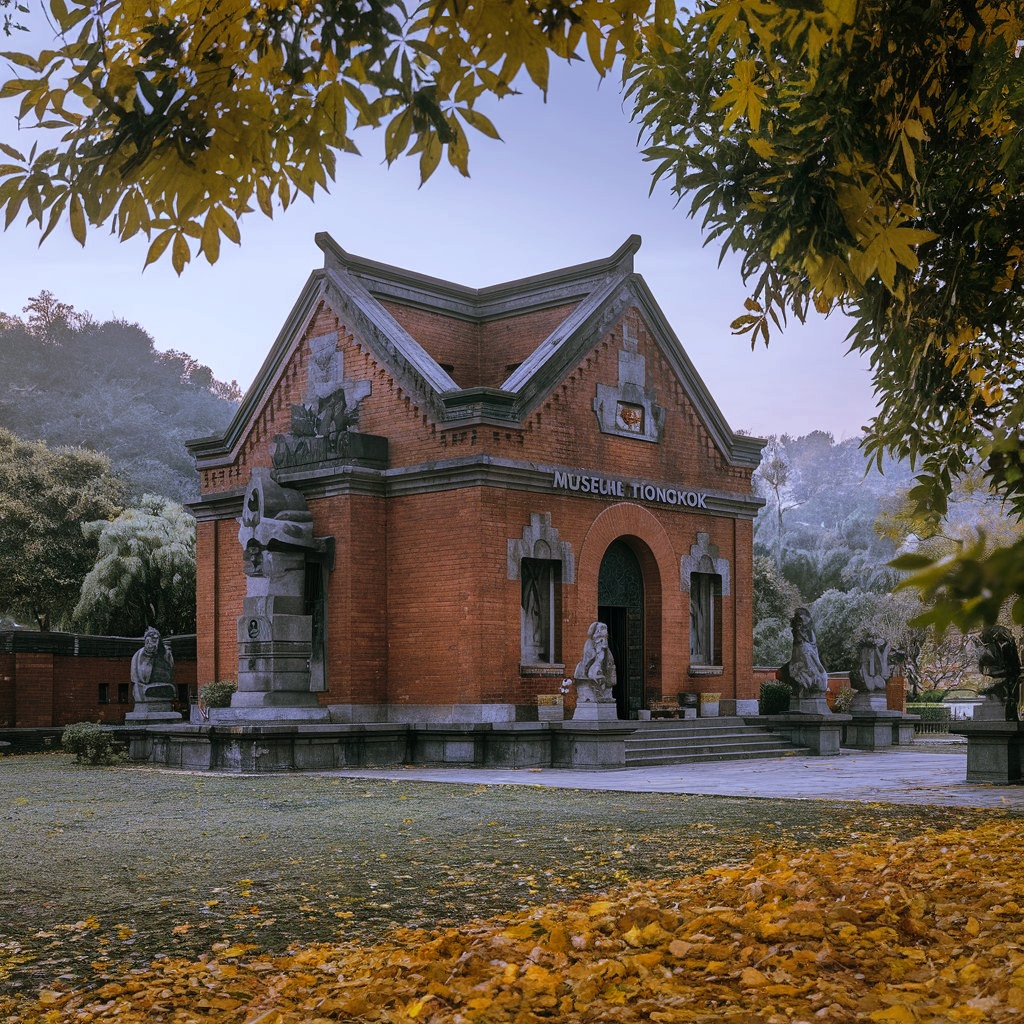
933 773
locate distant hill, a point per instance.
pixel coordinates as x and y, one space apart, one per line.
68 380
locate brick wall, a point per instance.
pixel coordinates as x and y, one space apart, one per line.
7 696
40 689
562 430
421 609
481 354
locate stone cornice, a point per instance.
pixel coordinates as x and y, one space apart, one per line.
448 475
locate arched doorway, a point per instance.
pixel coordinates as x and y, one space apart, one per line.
620 606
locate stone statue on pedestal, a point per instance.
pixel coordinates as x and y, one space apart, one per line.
595 678
804 671
152 675
999 660
870 676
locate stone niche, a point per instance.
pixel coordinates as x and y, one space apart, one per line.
630 409
325 425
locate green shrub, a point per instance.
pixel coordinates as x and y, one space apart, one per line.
774 698
217 695
91 744
930 697
843 703
930 712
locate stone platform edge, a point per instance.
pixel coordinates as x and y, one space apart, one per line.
278 747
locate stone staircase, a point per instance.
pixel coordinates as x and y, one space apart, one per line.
694 740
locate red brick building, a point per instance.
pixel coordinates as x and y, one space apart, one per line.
526 458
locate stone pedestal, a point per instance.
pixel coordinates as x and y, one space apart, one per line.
590 746
995 750
275 638
870 729
151 711
903 729
865 703
592 711
821 734
809 706
268 714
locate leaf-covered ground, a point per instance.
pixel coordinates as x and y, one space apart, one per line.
108 870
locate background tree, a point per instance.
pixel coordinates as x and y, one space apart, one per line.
776 480
68 380
145 572
45 496
831 542
775 600
865 158
176 120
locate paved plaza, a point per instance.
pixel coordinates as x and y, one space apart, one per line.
932 772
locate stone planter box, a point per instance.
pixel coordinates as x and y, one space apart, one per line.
709 705
550 707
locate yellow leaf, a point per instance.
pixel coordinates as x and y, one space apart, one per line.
430 157
157 247
180 254
210 243
77 216
894 1015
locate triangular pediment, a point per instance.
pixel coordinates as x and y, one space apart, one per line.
583 303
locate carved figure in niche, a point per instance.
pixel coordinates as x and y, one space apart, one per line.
152 670
595 674
873 671
533 626
334 418
998 659
323 423
804 671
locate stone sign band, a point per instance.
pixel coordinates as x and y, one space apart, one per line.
606 486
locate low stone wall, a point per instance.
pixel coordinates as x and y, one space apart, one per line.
270 748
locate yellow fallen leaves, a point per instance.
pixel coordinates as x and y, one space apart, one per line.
928 930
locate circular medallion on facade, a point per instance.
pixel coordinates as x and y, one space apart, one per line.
254 628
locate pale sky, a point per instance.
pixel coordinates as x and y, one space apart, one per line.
567 185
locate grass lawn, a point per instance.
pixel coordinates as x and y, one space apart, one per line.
104 868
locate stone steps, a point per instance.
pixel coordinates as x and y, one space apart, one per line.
692 741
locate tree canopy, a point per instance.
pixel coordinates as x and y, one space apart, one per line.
68 380
175 120
45 496
145 571
864 156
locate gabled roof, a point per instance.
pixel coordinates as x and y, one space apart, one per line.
357 288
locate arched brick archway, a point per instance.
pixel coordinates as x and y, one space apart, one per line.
647 539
